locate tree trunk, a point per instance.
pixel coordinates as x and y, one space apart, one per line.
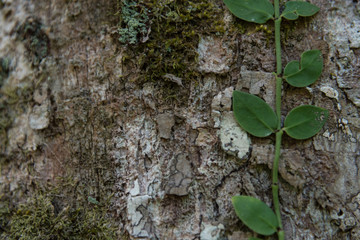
126 106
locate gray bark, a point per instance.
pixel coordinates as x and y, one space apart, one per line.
74 107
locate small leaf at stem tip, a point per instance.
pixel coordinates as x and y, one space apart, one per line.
294 9
305 121
309 71
255 214
258 11
253 114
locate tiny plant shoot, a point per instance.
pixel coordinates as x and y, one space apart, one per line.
257 118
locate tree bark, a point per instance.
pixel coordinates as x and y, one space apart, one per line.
83 100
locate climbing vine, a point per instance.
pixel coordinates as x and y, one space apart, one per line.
257 118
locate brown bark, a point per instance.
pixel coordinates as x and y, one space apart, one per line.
77 103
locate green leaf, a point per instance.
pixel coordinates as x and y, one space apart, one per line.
253 114
294 9
309 71
93 200
290 16
254 238
255 214
258 11
305 121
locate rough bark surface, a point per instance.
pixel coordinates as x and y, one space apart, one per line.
168 149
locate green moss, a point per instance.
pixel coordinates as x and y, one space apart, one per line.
12 103
175 30
49 215
4 214
13 95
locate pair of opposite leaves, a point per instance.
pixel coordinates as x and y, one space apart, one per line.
257 118
260 11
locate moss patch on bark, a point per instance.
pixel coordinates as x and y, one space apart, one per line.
50 213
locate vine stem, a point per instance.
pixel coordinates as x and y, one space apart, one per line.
278 100
275 183
275 170
278 62
278 46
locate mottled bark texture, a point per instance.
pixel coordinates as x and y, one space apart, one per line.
81 99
